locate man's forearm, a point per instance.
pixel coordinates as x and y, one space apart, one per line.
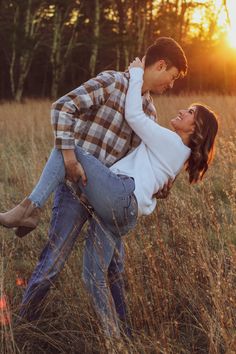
63 113
74 170
69 155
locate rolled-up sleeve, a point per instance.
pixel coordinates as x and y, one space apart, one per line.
66 111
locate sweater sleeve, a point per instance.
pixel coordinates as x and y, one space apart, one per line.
149 131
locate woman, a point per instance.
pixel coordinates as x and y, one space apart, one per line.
160 156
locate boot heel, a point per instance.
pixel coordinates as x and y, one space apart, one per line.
26 214
22 231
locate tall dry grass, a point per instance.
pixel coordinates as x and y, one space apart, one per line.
180 261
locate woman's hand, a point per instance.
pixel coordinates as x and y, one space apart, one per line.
136 63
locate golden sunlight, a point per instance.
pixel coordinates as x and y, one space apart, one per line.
226 20
202 15
231 6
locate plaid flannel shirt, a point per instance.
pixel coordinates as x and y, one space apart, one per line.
92 116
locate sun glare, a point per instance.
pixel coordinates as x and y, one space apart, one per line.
231 6
223 19
232 37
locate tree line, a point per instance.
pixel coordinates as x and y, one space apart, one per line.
49 47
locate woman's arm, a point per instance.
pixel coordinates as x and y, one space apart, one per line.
143 126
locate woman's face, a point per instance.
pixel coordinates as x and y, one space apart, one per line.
185 120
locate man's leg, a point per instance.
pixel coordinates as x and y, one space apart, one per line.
99 249
117 287
68 218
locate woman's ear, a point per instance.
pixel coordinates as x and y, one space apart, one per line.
192 129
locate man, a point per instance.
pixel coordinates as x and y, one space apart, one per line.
92 116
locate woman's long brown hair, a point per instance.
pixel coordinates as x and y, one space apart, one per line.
202 142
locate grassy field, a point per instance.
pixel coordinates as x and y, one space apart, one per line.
180 262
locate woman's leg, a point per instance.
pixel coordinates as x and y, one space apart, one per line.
53 174
115 206
99 177
25 216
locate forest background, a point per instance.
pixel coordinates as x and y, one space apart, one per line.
50 47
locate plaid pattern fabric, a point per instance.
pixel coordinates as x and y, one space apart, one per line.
92 116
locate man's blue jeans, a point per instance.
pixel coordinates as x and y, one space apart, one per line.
103 253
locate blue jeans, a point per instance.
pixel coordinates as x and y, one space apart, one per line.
109 194
115 214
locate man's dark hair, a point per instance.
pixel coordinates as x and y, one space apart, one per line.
168 49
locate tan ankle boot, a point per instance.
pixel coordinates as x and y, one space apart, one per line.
25 216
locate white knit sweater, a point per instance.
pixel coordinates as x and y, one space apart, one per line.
160 156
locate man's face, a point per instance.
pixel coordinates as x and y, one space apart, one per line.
160 78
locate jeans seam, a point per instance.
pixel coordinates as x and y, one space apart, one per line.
52 231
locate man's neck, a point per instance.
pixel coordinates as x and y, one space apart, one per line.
144 89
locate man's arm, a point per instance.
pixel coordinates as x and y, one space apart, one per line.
74 169
66 112
165 191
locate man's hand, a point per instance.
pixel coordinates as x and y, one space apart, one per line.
74 170
164 192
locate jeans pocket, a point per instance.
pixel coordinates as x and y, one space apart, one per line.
131 211
126 214
128 184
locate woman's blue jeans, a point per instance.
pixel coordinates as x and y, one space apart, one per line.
110 195
115 207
